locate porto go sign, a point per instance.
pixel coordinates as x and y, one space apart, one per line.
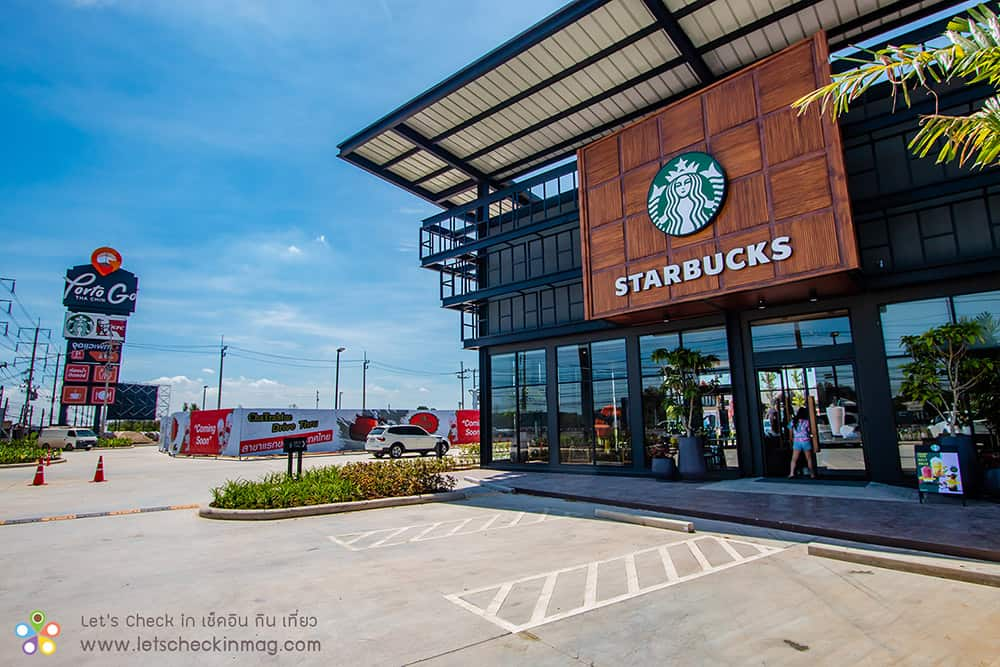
101 286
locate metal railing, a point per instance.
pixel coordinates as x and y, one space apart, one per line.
543 198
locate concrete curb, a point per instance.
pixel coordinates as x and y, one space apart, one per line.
33 464
501 488
94 515
972 573
329 508
651 521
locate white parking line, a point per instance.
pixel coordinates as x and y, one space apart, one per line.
422 532
698 563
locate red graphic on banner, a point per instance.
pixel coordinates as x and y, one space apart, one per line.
210 431
76 373
107 374
273 444
106 260
426 420
74 395
102 396
467 426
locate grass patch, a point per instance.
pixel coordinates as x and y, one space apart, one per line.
337 484
113 442
24 451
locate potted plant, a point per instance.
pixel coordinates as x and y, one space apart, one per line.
944 375
682 370
663 464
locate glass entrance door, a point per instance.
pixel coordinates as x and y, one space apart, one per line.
828 396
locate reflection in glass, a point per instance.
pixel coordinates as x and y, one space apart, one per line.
801 333
574 439
717 410
910 319
519 407
828 394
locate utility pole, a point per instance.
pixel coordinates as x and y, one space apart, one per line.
222 357
204 390
336 382
55 382
31 377
364 381
317 399
461 375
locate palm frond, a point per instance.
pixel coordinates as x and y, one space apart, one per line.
974 138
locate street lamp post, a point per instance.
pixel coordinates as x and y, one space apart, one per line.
204 388
336 382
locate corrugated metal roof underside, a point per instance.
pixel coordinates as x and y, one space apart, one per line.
586 78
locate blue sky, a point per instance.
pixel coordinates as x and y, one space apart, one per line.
199 139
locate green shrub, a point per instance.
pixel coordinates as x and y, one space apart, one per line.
114 442
336 484
24 451
389 479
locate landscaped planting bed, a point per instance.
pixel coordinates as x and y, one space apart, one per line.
337 484
24 451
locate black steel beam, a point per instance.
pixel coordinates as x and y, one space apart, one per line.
880 14
692 8
513 47
555 78
455 189
680 39
399 158
395 179
600 97
754 26
444 154
434 174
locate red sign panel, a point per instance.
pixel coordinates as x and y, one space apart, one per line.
73 395
107 374
76 373
210 431
467 426
275 444
102 396
92 352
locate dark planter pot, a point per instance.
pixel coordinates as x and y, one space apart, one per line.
691 457
991 481
966 458
664 468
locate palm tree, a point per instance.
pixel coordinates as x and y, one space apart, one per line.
973 55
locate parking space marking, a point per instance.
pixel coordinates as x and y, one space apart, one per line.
422 532
690 552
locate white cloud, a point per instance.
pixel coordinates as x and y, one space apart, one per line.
423 390
321 239
208 371
293 250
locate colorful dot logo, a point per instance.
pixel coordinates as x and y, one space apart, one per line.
38 634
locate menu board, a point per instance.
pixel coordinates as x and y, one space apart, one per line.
938 469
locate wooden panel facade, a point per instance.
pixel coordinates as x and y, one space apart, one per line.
785 177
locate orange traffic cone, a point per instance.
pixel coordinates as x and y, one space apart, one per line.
39 475
99 475
48 461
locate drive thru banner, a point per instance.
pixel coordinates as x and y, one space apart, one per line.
243 432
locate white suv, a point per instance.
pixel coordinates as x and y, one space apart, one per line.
67 438
397 440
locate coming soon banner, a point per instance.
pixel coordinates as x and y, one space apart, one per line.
244 432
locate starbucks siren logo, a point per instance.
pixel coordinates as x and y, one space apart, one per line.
686 194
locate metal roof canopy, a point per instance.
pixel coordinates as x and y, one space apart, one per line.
582 73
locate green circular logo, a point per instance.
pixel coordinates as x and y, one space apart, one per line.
686 194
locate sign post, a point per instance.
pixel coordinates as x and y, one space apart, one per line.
294 446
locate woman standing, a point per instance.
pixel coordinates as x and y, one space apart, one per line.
801 442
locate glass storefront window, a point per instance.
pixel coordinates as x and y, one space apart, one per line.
593 404
914 423
802 333
717 410
519 407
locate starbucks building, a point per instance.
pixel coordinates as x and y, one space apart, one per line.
628 176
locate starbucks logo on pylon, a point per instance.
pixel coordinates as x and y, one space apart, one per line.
38 634
686 194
